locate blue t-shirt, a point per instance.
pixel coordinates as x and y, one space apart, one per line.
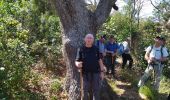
111 47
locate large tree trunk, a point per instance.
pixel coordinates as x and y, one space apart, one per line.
77 21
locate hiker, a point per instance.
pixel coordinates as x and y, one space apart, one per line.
89 61
126 54
120 49
111 51
101 45
155 56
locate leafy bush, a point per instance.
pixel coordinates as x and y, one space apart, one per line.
56 86
26 30
148 92
14 58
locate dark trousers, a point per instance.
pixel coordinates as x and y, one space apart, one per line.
91 83
110 63
127 57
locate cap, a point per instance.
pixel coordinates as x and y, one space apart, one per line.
158 37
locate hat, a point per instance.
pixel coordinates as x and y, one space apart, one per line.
111 37
158 37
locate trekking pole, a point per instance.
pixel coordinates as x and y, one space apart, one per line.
112 59
81 83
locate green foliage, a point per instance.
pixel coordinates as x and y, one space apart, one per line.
165 86
14 57
162 10
54 98
119 26
148 92
56 86
26 30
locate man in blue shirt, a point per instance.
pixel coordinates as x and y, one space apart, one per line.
111 50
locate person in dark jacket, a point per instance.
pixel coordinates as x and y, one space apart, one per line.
90 62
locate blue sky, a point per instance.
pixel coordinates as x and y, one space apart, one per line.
146 10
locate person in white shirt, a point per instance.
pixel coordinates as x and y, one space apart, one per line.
155 56
126 54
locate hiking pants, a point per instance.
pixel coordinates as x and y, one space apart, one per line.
91 82
110 64
127 57
148 72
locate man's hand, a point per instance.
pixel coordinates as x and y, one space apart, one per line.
104 69
104 54
113 54
151 60
79 64
163 59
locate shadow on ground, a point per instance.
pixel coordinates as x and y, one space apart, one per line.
107 92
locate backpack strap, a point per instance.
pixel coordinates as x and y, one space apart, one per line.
162 51
151 49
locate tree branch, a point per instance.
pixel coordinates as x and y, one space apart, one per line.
103 10
154 5
70 12
64 9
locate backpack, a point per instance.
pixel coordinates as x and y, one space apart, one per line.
161 50
120 49
97 44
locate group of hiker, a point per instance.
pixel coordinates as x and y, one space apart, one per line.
94 58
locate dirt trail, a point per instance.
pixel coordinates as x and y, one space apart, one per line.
125 85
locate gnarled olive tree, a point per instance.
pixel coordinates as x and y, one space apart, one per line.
76 21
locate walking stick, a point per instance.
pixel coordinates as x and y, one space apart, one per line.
112 59
81 83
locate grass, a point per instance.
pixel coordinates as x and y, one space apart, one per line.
115 88
130 78
165 85
56 86
150 93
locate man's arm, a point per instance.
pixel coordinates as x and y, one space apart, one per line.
107 51
102 67
147 56
165 55
78 61
163 59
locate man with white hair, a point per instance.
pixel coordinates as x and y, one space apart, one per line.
88 59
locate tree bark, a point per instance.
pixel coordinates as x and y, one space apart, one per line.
77 21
